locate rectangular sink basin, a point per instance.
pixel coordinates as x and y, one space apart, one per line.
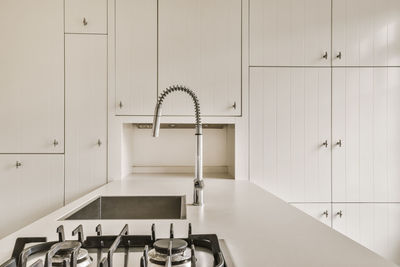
132 208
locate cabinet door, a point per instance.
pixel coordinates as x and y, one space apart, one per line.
375 226
366 127
366 33
30 190
290 33
32 76
319 211
86 114
136 56
290 111
86 16
200 47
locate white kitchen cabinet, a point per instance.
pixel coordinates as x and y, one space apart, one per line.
31 187
200 47
290 126
86 16
290 32
374 225
136 56
366 33
319 211
365 135
32 76
85 114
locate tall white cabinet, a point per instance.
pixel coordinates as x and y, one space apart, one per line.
86 113
350 99
291 138
32 76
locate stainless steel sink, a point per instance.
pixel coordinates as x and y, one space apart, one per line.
131 208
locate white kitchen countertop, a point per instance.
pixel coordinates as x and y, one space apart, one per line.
259 229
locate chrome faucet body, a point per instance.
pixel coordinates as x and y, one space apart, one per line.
198 181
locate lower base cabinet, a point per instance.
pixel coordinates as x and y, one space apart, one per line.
32 186
373 225
319 211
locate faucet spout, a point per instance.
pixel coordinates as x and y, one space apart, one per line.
198 181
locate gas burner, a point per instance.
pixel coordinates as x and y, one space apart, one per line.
175 250
109 250
83 258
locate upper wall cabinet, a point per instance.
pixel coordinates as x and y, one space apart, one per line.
86 16
290 32
200 47
366 130
366 33
136 56
290 122
32 76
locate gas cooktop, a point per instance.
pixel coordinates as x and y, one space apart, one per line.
199 250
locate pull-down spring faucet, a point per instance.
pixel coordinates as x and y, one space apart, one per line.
198 181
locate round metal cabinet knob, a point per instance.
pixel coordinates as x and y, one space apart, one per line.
55 142
85 22
339 143
325 144
234 105
325 213
339 55
18 164
339 213
325 55
99 143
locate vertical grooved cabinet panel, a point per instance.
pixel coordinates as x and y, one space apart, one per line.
319 211
290 32
365 119
32 76
30 191
366 33
136 56
86 16
86 114
290 111
373 225
200 47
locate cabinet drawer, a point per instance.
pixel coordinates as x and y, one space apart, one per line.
86 16
32 186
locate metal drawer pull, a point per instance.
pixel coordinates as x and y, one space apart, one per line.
99 142
339 55
18 164
339 213
55 142
325 144
84 22
234 105
339 143
325 213
325 56
120 104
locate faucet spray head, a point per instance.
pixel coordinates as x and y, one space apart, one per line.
156 120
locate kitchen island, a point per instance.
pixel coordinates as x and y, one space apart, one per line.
258 228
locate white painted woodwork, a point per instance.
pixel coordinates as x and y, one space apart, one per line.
366 108
32 76
290 32
366 32
86 16
319 211
30 191
374 225
85 114
200 47
290 119
136 56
